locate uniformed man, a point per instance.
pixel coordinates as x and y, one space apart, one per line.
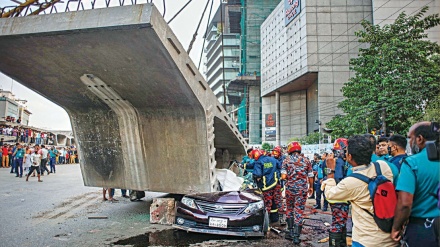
417 189
266 176
339 208
397 149
277 153
298 173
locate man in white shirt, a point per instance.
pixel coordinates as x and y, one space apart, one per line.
44 156
35 159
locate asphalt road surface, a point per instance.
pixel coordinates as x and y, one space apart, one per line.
56 212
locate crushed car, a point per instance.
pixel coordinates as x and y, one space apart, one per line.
234 213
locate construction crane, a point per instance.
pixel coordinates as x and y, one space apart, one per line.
29 7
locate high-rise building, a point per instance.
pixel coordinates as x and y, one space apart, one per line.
222 49
306 46
238 43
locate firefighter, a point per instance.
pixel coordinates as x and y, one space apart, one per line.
338 228
266 176
298 173
277 153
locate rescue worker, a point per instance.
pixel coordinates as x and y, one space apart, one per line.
298 173
339 208
248 161
266 176
277 153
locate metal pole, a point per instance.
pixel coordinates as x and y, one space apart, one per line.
223 55
277 118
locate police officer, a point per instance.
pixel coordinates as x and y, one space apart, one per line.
266 176
397 148
298 173
417 190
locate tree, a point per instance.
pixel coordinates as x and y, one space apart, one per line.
312 138
396 78
266 146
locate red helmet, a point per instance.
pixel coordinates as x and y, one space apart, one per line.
294 147
337 144
276 151
256 153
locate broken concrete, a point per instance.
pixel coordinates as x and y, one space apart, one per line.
143 116
162 211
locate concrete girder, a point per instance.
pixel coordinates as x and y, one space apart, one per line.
143 117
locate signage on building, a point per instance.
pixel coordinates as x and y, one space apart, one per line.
270 130
292 8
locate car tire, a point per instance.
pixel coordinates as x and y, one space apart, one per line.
136 195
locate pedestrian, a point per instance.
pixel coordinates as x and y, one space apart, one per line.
417 190
27 162
18 156
318 181
5 156
35 159
52 157
44 156
365 230
298 173
110 194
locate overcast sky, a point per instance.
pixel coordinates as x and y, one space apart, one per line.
46 114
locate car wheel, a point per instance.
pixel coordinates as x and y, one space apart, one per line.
136 195
266 222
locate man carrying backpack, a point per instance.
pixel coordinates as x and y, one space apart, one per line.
365 230
417 192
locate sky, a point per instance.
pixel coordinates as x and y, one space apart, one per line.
48 115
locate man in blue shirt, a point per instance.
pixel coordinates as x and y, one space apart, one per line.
382 144
18 157
319 177
396 148
266 176
417 190
52 157
375 158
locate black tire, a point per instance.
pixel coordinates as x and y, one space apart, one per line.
136 195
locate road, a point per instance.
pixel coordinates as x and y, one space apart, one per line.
55 213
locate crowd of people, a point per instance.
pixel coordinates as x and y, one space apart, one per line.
33 159
352 177
25 134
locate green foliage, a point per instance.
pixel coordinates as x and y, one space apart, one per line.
266 146
312 138
398 75
433 110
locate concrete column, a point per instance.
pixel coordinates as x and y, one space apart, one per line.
277 118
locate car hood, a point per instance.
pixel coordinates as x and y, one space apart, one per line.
247 196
